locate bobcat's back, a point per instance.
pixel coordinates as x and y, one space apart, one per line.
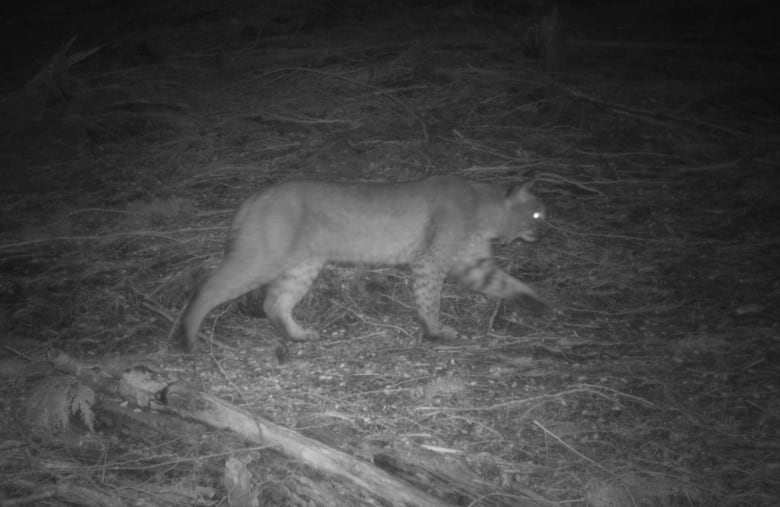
383 223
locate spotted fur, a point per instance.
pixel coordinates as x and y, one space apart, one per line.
443 225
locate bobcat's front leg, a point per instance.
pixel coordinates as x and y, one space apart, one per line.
428 282
485 277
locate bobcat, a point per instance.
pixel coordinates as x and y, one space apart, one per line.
439 226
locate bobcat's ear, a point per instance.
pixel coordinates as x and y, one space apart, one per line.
520 192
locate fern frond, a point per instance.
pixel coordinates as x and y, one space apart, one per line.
47 408
81 399
54 400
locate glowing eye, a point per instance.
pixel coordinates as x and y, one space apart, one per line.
537 215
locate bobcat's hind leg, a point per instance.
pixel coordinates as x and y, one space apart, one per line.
284 293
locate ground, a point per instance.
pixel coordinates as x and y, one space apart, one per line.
653 138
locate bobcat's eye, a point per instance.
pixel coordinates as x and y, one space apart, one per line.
537 215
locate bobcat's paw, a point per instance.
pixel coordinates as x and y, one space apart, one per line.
535 306
305 335
443 335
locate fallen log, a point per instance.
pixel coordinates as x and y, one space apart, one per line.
149 386
217 413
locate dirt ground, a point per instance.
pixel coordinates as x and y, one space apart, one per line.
651 129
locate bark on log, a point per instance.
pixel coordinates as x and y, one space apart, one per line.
143 385
220 414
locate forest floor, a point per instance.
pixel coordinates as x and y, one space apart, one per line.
654 143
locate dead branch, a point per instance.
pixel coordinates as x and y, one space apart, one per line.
129 234
65 492
648 115
376 89
153 307
142 384
218 413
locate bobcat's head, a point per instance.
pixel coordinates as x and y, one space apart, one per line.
525 214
